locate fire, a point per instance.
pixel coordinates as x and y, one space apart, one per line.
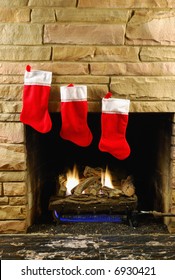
72 179
106 178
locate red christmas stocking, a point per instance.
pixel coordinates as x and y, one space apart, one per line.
35 100
114 120
74 110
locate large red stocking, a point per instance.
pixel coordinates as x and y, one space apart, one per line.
35 100
74 110
114 120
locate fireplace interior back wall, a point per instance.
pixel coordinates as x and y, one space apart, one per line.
149 136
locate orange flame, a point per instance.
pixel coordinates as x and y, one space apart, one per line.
106 178
72 179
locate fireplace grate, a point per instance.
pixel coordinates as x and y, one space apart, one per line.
72 209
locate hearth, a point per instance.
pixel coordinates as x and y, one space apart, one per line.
149 137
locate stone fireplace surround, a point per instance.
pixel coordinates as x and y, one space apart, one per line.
133 60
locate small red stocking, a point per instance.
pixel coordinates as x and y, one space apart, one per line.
74 110
114 120
35 99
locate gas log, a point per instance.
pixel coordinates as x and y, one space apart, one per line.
90 184
90 203
87 183
91 195
62 185
112 193
89 172
127 186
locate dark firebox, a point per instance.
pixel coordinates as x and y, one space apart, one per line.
149 136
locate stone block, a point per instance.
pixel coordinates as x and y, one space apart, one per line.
20 200
113 16
24 53
11 92
133 69
8 79
126 4
12 176
117 53
95 53
149 88
12 212
60 68
14 3
20 34
13 68
43 15
14 189
9 117
11 107
153 53
151 28
13 226
12 157
11 132
84 34
97 92
73 53
14 14
84 79
4 200
52 3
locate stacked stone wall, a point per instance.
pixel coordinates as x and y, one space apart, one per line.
126 47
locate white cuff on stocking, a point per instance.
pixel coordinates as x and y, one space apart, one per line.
75 93
114 105
38 77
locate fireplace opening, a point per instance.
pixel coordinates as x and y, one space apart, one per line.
149 137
